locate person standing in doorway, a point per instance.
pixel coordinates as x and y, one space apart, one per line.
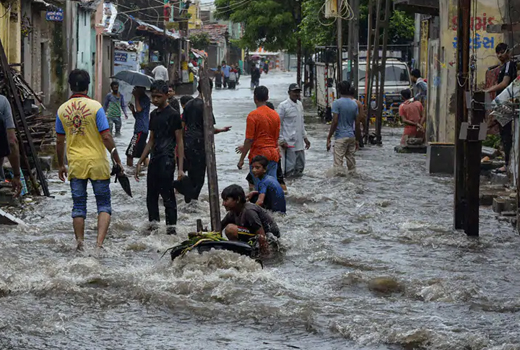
508 73
165 136
293 136
226 70
114 106
195 151
141 112
344 114
420 88
160 72
262 133
82 122
9 145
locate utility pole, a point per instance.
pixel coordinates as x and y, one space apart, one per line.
354 34
339 65
299 43
368 87
209 144
382 69
463 37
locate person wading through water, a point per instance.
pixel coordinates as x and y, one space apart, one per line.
115 106
195 151
262 132
344 115
165 134
83 123
141 112
293 137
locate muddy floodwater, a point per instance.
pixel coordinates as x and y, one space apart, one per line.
371 262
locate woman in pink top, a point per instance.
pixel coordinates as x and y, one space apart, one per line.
412 113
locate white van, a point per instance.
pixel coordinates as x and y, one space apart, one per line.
397 78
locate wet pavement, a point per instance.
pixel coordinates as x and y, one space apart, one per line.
372 262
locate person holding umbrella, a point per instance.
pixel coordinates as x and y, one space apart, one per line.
141 113
83 123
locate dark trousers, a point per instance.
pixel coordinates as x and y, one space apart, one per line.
507 140
161 172
196 168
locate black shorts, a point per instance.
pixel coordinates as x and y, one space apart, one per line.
137 144
279 175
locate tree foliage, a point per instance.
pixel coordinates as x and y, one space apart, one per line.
271 24
274 24
200 41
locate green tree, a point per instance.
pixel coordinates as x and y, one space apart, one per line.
271 24
200 41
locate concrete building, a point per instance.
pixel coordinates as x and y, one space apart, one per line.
10 30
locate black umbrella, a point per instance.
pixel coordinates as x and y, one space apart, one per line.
184 187
134 78
122 178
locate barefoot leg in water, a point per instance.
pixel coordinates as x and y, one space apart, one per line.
103 223
79 231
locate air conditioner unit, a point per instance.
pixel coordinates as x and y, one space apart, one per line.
331 8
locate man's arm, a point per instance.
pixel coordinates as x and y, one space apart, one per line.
14 159
224 129
138 107
332 130
505 83
123 105
110 145
180 151
304 131
247 146
281 113
107 101
146 151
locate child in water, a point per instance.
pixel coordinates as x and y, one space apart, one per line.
268 193
245 221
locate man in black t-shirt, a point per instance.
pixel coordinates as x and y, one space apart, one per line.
165 135
193 122
508 73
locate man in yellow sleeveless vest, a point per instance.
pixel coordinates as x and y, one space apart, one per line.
83 123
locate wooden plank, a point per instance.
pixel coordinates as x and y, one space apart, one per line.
209 143
8 219
21 113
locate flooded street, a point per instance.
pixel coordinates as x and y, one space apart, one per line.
372 263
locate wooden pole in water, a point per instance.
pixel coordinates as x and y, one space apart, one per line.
463 37
473 148
209 144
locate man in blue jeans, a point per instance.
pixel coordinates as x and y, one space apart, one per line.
226 70
83 123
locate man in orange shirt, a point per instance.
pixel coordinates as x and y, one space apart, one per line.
262 132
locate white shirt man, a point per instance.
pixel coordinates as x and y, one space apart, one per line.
293 136
160 73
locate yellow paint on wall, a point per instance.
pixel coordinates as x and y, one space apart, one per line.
10 31
482 49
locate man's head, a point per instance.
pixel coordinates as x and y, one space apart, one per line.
219 67
139 91
185 99
344 88
295 92
114 86
159 91
406 94
171 90
79 80
223 63
233 198
502 51
261 95
416 74
259 166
